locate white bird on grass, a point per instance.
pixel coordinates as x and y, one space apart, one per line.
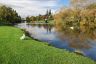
22 37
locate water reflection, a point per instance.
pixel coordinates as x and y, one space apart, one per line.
82 38
78 38
47 27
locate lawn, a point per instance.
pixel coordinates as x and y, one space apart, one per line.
16 51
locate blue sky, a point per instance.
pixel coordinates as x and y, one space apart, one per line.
64 2
34 7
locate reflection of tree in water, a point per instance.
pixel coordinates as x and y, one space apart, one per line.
48 27
78 38
38 25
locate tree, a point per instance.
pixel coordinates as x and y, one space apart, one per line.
91 6
48 15
8 15
81 3
79 17
28 19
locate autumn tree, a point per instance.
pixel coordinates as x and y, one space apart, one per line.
83 14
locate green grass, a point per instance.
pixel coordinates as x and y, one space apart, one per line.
16 51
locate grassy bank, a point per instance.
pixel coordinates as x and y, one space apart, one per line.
16 51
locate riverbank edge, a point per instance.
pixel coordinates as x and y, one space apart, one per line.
46 43
57 48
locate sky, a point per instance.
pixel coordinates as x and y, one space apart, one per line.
34 7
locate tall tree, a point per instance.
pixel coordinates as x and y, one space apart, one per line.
8 15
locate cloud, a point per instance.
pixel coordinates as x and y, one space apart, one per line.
31 7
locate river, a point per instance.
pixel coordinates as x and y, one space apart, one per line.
79 42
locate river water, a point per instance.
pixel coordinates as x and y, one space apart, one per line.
79 42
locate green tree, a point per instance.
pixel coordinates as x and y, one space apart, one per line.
8 15
28 19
